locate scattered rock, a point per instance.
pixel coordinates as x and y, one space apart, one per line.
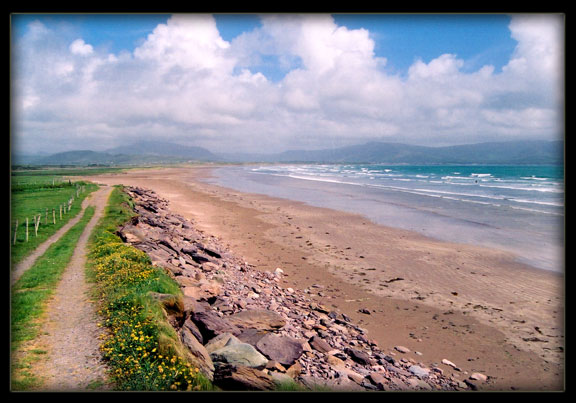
241 320
359 356
319 344
477 376
450 364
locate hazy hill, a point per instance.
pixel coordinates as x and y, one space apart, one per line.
159 148
517 152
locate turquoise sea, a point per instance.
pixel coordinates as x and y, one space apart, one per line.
514 208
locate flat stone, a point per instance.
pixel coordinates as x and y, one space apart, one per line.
283 349
359 356
402 349
257 319
230 377
211 325
419 371
320 345
477 376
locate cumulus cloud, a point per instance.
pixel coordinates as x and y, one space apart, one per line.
187 84
79 47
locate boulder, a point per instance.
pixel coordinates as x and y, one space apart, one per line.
282 349
211 325
257 319
191 327
236 353
252 336
229 377
377 380
218 342
198 356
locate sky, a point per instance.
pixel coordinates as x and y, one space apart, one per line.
274 82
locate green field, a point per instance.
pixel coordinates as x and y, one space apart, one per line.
41 194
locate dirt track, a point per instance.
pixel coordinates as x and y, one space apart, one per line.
70 333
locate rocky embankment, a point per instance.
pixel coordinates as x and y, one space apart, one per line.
245 331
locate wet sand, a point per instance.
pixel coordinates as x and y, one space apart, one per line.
476 307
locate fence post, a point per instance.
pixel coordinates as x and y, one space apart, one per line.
46 221
15 232
54 216
26 229
37 225
60 211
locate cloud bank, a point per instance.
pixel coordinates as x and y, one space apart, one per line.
185 83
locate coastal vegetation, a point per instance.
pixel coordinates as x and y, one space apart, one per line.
141 348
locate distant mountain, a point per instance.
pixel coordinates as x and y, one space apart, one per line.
159 148
516 152
139 153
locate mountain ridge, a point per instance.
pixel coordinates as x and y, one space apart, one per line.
537 152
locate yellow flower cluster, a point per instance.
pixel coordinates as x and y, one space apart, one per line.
123 276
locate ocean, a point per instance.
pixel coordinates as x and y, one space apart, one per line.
519 209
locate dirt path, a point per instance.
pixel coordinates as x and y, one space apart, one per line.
70 334
26 263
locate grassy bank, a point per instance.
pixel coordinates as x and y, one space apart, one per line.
29 296
142 349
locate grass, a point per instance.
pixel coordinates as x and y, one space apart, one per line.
143 351
32 195
29 296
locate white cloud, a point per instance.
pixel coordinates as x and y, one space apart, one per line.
185 83
79 47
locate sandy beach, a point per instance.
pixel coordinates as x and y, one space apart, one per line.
477 307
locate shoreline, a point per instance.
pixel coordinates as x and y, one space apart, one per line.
409 284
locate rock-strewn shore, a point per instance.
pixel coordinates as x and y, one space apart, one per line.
245 330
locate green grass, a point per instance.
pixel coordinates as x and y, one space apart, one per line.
143 351
33 196
29 296
39 281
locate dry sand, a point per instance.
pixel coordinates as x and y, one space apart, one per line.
476 307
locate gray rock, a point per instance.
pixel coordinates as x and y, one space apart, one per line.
236 353
419 371
218 342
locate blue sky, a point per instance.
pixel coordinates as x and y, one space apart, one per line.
245 82
401 38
